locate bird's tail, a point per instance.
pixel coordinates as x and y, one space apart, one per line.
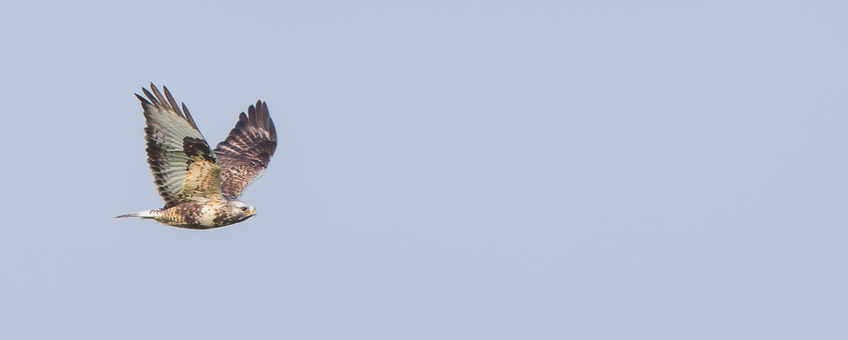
144 214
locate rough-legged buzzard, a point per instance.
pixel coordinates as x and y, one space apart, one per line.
201 186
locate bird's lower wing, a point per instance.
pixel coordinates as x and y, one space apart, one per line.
184 167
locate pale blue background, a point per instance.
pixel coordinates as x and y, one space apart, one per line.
446 170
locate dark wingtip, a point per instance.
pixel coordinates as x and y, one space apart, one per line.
251 115
273 131
171 101
267 122
188 117
161 99
261 118
167 102
262 114
150 96
143 101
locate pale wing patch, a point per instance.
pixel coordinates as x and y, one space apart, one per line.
201 181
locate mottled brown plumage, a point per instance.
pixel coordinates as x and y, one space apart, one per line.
201 186
246 152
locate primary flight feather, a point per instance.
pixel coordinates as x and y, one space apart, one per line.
201 186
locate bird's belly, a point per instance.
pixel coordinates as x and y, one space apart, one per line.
191 215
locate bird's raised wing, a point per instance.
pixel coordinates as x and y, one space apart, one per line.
184 167
248 149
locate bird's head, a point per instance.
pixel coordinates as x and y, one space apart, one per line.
242 211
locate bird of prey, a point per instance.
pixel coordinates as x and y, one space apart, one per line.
201 186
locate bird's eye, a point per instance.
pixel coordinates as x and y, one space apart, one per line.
244 209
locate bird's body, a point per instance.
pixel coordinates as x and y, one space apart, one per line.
196 215
201 186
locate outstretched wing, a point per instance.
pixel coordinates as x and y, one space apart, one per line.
184 167
248 149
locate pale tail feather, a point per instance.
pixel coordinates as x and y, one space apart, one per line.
144 214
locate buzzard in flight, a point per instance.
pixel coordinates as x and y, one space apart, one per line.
201 186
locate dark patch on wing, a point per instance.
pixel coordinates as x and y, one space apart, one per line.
196 147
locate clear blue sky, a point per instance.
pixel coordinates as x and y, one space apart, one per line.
446 170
